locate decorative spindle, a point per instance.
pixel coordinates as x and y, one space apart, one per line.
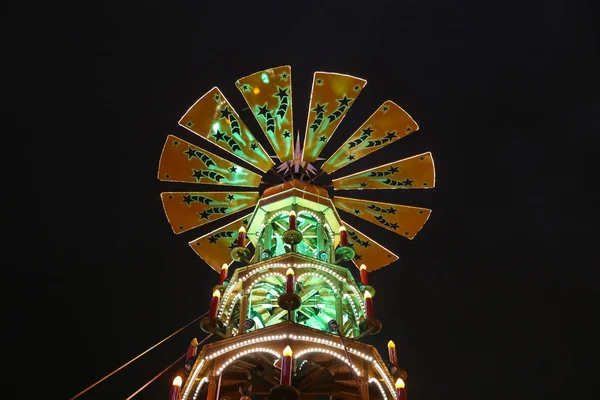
292 220
343 236
369 306
241 240
192 350
176 388
290 281
392 353
400 389
224 271
364 278
214 302
286 366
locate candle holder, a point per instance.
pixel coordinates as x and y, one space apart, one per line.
289 301
292 237
368 288
398 373
369 327
212 325
344 253
283 392
242 254
249 324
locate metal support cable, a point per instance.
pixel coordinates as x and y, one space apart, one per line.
157 376
334 326
165 370
135 358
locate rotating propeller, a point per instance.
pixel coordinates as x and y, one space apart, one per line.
268 94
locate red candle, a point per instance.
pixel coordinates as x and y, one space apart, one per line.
363 275
286 366
293 220
369 304
241 237
290 281
343 236
176 388
400 389
224 269
214 302
192 350
392 353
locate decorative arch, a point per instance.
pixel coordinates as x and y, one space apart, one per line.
243 353
374 380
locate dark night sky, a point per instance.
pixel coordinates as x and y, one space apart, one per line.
494 298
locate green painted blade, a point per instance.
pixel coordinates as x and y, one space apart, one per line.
385 126
269 96
416 172
214 119
331 97
182 161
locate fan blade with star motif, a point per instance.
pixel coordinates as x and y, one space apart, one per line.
214 247
403 220
269 96
214 119
368 251
416 172
331 97
187 210
389 123
181 161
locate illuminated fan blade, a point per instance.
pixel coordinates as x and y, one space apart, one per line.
368 251
403 220
187 210
213 118
184 162
214 247
332 95
416 172
387 124
269 95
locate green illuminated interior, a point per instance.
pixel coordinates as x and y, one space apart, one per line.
316 238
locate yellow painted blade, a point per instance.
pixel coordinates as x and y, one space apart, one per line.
214 119
331 97
182 161
214 247
403 220
416 172
187 210
368 251
389 123
269 96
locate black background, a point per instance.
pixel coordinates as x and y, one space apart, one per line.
494 299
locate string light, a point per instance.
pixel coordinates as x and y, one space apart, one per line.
387 380
264 267
303 338
371 380
202 382
331 284
191 380
347 296
246 352
333 353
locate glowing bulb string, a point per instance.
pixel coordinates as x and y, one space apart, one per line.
135 358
